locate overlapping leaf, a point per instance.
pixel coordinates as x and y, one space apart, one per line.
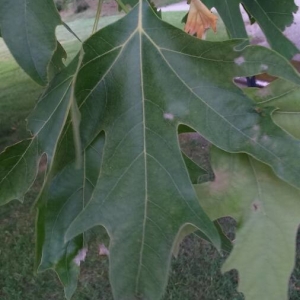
19 163
61 201
285 96
56 64
28 29
272 16
267 211
139 80
134 85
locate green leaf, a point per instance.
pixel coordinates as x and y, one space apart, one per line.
285 96
267 211
28 29
56 64
18 169
19 163
214 104
68 192
134 86
272 16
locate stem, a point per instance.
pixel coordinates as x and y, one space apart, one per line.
97 17
76 117
123 6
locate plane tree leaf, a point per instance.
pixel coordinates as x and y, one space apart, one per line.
285 96
267 211
139 80
19 163
133 85
28 29
61 201
272 17
210 107
56 64
18 169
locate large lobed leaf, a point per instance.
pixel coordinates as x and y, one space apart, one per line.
28 29
272 16
134 86
267 211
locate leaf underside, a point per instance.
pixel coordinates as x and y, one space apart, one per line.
267 211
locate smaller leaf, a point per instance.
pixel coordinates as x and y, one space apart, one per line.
267 211
28 29
62 199
285 96
19 163
56 64
18 169
272 17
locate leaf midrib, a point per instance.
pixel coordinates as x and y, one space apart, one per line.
140 32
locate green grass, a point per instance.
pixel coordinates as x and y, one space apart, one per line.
195 273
